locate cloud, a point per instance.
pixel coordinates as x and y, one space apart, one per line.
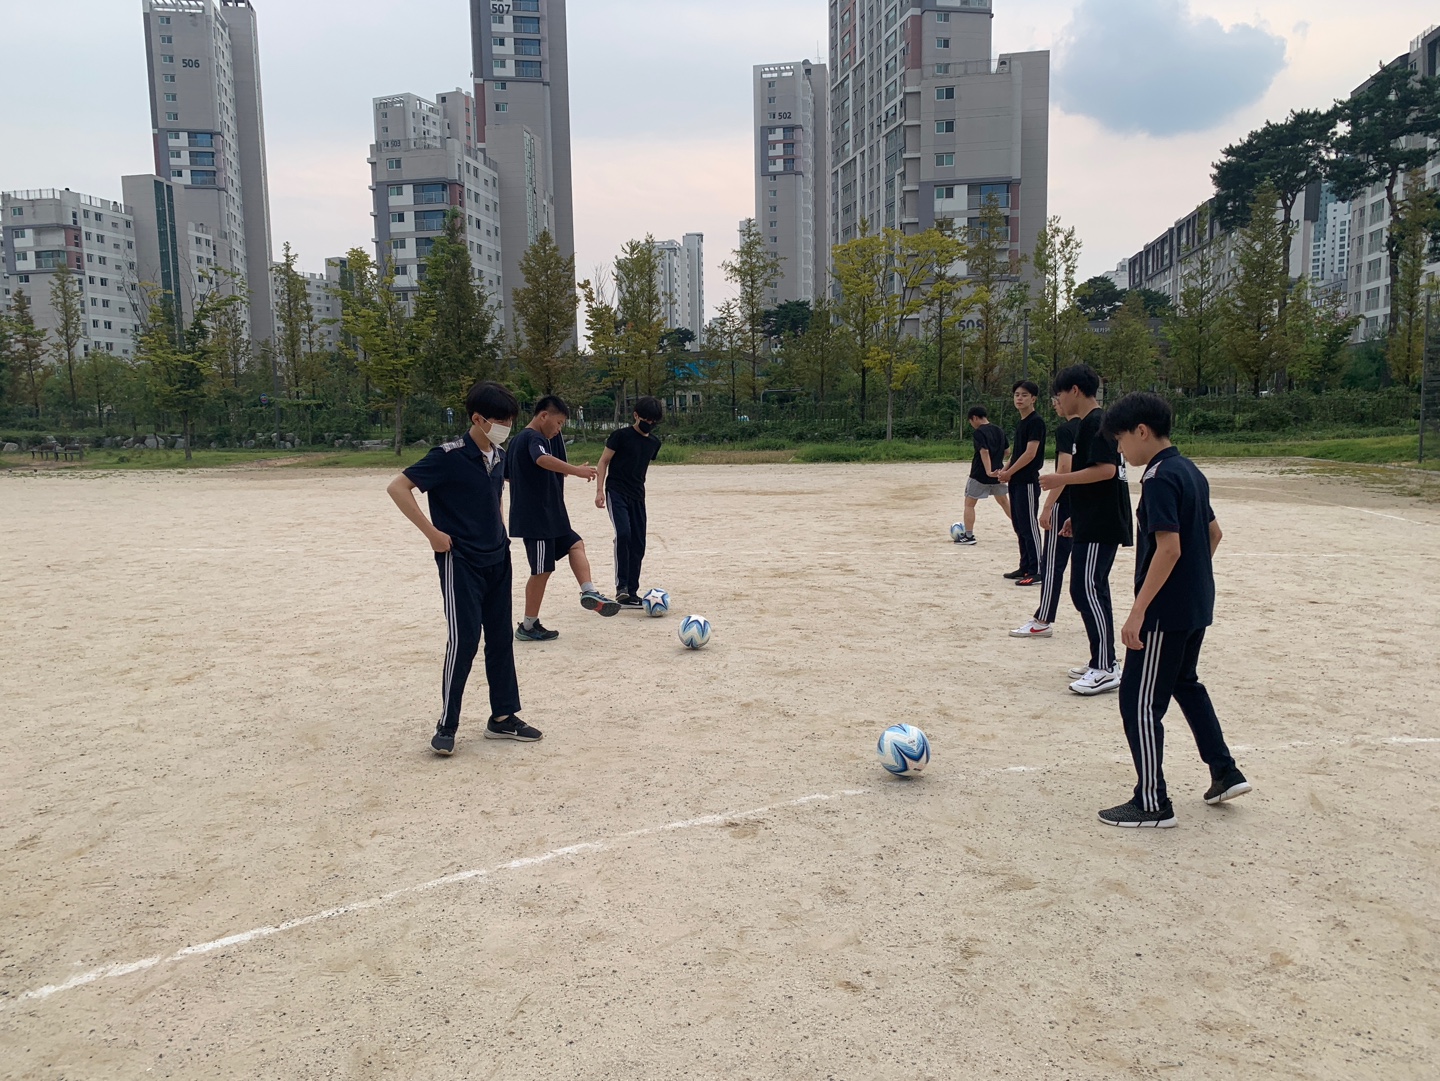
1152 67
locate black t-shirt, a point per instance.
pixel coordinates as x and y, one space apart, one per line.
537 496
1100 511
1031 429
633 454
1064 444
992 438
1175 498
464 496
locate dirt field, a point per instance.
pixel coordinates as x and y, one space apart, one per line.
218 689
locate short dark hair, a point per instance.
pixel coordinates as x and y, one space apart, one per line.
491 401
1028 387
552 403
978 411
650 409
1079 377
1137 408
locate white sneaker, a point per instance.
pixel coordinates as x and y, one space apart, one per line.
1080 672
1033 629
1097 681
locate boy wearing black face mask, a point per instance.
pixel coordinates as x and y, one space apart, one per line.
620 488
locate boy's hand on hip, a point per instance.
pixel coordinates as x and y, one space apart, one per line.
441 542
1130 633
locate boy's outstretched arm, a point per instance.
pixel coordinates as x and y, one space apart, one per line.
555 465
402 491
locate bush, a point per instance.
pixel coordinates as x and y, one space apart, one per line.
1205 421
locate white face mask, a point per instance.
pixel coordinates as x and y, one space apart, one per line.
498 433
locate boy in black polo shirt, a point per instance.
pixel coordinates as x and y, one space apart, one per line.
1100 521
1022 476
620 489
466 530
1174 604
990 444
538 469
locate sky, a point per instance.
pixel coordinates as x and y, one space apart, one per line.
1144 96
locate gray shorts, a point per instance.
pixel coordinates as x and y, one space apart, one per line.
975 489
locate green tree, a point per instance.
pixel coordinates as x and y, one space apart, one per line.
67 301
1193 329
388 340
859 267
753 269
1319 327
1253 324
949 304
1130 350
725 342
295 327
642 315
179 371
790 318
452 302
1383 131
1000 296
1057 323
1097 298
817 355
1415 233
602 330
27 353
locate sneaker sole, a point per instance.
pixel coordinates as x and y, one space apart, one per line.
1163 824
1033 634
527 638
605 608
442 753
1091 692
512 736
1233 792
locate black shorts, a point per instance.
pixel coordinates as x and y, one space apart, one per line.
542 554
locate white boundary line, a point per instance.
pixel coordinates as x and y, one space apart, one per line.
107 972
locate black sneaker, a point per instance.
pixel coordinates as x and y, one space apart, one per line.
628 600
1230 784
1030 580
537 633
511 728
1132 815
594 602
1015 574
442 744
966 538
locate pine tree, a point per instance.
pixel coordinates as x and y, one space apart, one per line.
642 315
1319 328
1130 350
294 316
27 353
817 356
754 270
1255 343
1193 329
1057 324
452 301
1000 296
67 301
388 340
1415 233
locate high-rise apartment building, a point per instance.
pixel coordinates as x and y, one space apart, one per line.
927 125
42 232
325 307
792 175
424 161
209 186
1329 240
522 100
681 281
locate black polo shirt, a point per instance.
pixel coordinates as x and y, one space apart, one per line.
1175 498
537 496
464 496
1031 429
992 438
1100 511
1064 444
634 451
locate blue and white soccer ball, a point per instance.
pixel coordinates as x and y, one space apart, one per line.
656 602
695 632
957 531
903 749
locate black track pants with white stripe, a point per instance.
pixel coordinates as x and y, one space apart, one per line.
477 599
1090 565
1166 669
1025 518
627 515
1052 567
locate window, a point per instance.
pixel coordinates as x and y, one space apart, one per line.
1372 299
944 161
502 106
164 20
527 46
943 193
107 325
774 225
166 39
174 135
944 127
499 43
526 5
942 69
172 117
170 97
202 157
432 193
95 323
942 43
502 86
423 244
17 211
432 221
399 245
49 260
166 58
501 65
497 20
527 69
20 234
944 93
400 217
178 174
524 25
942 16
981 194
168 78
402 271
397 189
392 163
205 177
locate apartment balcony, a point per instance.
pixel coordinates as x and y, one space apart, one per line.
438 198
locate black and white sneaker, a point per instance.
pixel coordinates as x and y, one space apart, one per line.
511 727
594 601
1014 575
1132 816
1227 786
966 538
536 633
442 744
628 600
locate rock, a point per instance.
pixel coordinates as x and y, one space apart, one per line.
249 444
129 444
151 443
214 445
178 444
11 448
420 443
339 442
291 438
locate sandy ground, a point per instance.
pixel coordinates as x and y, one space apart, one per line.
218 689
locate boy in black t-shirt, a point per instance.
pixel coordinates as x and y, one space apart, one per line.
538 517
1022 476
1054 516
466 529
1100 522
620 489
1174 604
990 444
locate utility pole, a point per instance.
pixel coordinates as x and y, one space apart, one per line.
1025 349
1424 374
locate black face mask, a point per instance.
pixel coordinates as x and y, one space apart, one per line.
646 426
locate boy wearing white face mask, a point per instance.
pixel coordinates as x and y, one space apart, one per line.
466 530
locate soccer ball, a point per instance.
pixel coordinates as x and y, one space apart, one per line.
695 632
903 749
956 532
656 602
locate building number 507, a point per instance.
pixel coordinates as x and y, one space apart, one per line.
500 9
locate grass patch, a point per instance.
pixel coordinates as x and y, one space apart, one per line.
1377 450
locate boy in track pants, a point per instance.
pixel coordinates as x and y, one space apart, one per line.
1100 522
620 489
1054 516
466 530
1022 476
1174 604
